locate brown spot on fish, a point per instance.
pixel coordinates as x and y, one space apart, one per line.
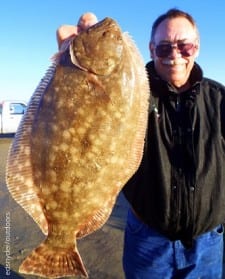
80 141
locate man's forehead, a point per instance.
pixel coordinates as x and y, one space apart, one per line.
176 29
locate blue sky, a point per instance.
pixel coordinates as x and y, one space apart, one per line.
28 28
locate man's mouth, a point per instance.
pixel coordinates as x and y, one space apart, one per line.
173 62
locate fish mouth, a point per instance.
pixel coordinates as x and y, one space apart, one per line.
74 59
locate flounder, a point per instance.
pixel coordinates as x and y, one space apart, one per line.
79 142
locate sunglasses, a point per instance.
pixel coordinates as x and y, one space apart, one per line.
185 49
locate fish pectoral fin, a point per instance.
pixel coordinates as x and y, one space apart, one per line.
53 262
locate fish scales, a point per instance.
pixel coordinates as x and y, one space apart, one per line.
79 142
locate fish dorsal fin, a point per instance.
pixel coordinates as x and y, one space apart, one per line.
19 176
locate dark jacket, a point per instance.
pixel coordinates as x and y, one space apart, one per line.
179 188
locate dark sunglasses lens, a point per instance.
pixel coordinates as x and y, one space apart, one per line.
186 49
163 50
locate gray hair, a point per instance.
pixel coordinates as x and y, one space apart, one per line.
170 14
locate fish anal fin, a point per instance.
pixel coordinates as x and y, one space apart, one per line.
96 221
23 191
53 262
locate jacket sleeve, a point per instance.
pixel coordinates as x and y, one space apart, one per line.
223 113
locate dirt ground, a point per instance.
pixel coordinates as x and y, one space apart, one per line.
100 251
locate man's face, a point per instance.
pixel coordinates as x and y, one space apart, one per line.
175 66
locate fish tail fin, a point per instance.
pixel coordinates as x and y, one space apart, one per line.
53 262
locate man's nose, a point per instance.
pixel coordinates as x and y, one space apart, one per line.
174 52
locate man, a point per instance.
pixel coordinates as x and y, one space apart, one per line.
177 196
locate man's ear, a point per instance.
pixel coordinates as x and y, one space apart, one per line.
151 49
197 50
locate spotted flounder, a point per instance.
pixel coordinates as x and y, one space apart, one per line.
79 142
